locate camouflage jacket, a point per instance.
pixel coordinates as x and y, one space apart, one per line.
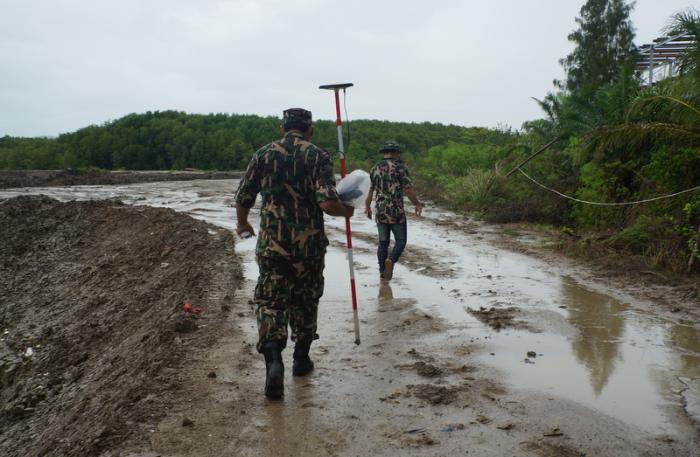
389 179
293 176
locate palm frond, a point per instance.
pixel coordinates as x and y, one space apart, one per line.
473 189
663 105
550 104
641 136
687 21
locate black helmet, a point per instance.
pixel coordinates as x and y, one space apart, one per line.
390 146
296 118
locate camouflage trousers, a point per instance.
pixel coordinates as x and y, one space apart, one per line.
287 293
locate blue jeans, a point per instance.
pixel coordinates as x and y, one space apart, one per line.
399 231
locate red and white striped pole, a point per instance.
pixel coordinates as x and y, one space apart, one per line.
348 232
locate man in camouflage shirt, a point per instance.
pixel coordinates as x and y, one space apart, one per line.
295 179
390 181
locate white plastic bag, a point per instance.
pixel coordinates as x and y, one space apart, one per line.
353 188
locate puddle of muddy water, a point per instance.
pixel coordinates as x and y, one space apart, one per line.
591 348
617 361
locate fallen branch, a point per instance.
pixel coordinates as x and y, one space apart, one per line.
535 154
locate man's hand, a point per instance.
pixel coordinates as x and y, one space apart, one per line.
245 230
243 227
411 194
349 210
336 208
368 212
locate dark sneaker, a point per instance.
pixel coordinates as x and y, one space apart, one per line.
388 269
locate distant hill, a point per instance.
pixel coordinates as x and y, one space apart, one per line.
172 140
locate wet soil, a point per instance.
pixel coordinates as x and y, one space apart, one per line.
672 293
499 318
94 338
42 178
415 257
430 378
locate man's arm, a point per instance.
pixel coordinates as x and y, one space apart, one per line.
411 194
245 198
407 186
243 227
368 203
326 193
336 208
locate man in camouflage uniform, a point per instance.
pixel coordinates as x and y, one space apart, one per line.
390 181
295 179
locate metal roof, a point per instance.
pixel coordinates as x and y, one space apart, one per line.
662 53
663 49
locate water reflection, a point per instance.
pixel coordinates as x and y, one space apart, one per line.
601 326
283 428
686 338
386 295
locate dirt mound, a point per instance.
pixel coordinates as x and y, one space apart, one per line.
91 297
52 178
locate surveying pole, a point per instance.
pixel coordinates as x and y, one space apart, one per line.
348 232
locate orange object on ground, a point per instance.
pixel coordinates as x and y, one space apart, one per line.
187 308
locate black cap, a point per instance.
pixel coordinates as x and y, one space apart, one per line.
390 146
296 118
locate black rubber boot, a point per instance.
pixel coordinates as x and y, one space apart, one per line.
274 369
302 362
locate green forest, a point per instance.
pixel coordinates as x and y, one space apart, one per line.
613 140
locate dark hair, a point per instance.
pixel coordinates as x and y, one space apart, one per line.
301 126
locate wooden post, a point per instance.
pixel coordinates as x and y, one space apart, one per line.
691 260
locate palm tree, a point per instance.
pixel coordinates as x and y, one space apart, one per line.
667 113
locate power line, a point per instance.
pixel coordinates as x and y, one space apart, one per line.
661 197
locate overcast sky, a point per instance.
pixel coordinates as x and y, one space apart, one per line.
66 64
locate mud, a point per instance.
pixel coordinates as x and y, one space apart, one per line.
94 339
499 318
42 178
545 449
633 274
415 257
435 395
428 370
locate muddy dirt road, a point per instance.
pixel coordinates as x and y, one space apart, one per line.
470 350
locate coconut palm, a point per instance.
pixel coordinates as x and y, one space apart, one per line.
667 113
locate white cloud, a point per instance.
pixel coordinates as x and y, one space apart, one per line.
70 63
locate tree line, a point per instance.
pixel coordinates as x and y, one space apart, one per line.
173 140
616 140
